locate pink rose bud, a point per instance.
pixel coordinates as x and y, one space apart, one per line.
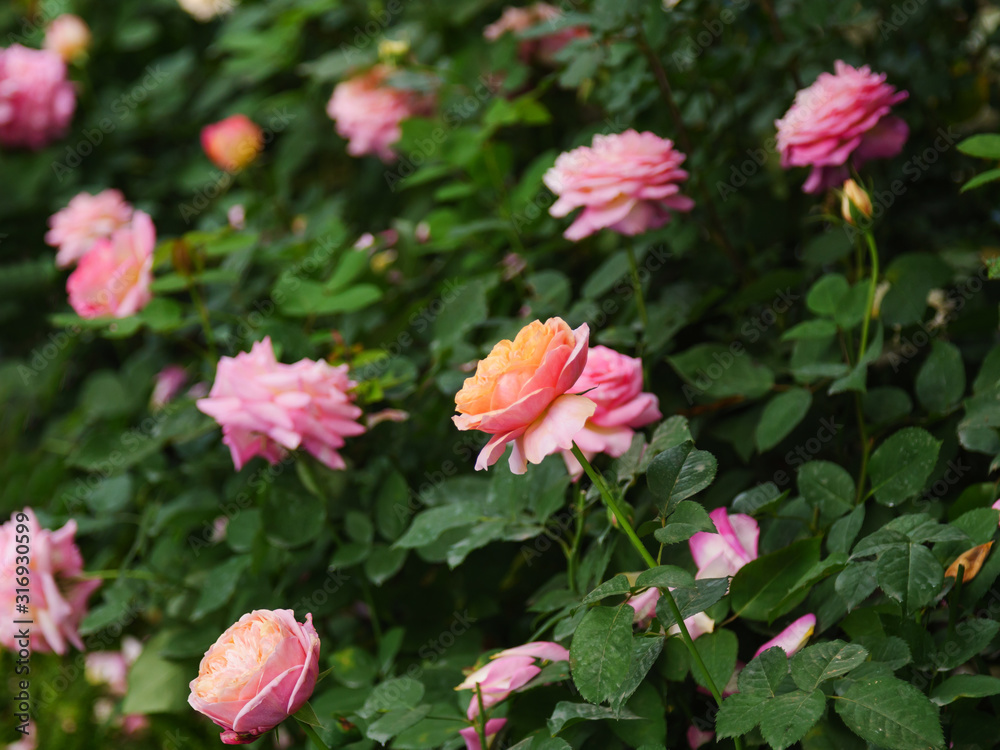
720 555
57 598
368 112
471 734
169 382
509 671
233 143
113 278
792 638
68 36
87 219
854 197
260 672
626 182
613 381
266 407
520 394
841 118
36 100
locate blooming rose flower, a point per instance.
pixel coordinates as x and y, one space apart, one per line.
57 597
508 671
206 10
68 36
519 394
266 407
644 605
232 144
792 638
168 384
259 672
542 48
113 278
86 219
368 112
471 734
841 116
720 555
627 182
36 100
613 381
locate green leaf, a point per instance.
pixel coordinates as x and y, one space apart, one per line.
826 485
718 651
941 379
739 714
567 714
982 146
715 371
990 175
760 499
432 523
691 601
784 720
900 467
856 583
910 574
760 588
890 713
383 563
292 519
157 685
353 666
813 665
811 329
665 576
886 404
395 721
673 431
601 652
780 417
678 473
969 638
220 585
825 295
965 686
765 673
844 531
542 743
392 694
616 586
645 652
687 519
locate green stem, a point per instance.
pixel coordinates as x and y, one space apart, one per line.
311 733
640 302
481 724
624 524
873 254
572 564
206 325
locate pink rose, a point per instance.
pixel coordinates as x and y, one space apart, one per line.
368 112
87 219
113 278
613 381
627 182
841 116
68 36
36 100
233 143
792 638
544 47
720 555
167 385
266 407
519 394
57 597
471 734
508 671
259 672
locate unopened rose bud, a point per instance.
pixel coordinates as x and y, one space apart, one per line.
854 195
68 36
233 143
180 254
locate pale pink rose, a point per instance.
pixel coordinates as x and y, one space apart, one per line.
627 182
28 741
368 112
520 394
111 667
509 671
842 116
698 737
257 674
113 278
471 734
792 638
36 100
87 219
613 381
266 407
542 47
68 36
721 555
232 144
644 605
57 597
168 384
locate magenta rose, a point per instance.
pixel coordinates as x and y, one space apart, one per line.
260 672
841 118
36 100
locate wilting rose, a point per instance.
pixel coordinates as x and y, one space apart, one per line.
613 381
508 671
259 672
471 735
266 407
206 10
232 144
721 555
543 47
519 394
792 638
36 100
57 597
841 117
68 36
627 182
112 279
87 219
368 112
